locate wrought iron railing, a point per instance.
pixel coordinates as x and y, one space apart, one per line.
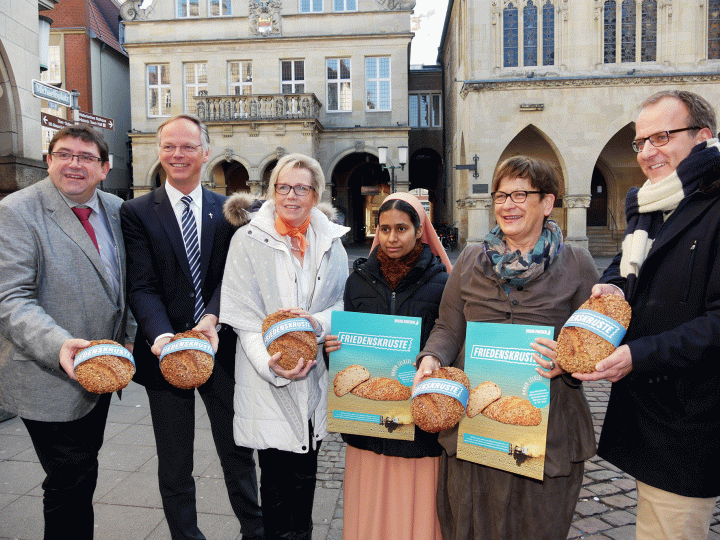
253 107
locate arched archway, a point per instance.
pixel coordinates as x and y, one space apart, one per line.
534 143
358 187
232 176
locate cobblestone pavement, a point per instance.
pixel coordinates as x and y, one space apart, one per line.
605 510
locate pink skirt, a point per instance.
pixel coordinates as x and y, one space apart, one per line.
387 497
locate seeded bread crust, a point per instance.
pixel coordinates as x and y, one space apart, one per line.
293 345
481 396
514 411
106 373
579 350
187 368
349 378
435 412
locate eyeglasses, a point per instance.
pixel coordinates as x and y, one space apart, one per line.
301 190
187 149
660 138
519 196
85 159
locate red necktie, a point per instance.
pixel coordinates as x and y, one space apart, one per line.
83 214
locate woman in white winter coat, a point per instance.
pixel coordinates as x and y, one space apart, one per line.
288 257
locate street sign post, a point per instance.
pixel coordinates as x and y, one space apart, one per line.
51 93
96 120
54 122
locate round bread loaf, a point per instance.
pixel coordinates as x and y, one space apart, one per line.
435 412
293 345
349 378
104 373
579 349
382 389
514 411
187 368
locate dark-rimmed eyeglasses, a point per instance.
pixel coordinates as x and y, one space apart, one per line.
85 159
660 138
186 149
518 196
301 190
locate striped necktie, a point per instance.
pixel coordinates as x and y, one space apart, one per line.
192 248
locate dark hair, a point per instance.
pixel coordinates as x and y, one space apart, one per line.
402 206
700 112
540 174
86 134
204 134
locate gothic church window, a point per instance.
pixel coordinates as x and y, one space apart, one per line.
525 26
627 33
714 29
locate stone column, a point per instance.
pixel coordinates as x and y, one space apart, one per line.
254 182
480 215
576 207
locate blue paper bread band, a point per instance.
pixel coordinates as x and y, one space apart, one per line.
443 386
298 324
605 327
184 344
102 350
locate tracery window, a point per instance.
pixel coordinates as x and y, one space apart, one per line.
549 34
524 26
627 45
628 33
510 36
648 39
714 29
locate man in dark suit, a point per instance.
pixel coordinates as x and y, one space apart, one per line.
62 283
174 285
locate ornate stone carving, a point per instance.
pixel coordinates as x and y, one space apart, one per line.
576 201
279 152
397 5
359 146
264 17
605 81
131 11
228 154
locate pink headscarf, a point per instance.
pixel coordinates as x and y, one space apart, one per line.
429 236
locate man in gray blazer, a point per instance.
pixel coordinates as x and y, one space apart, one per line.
62 283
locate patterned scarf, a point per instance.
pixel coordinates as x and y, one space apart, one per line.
285 229
515 268
646 208
393 270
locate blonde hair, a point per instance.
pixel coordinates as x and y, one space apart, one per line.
299 161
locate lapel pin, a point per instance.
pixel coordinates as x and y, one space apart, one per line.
210 216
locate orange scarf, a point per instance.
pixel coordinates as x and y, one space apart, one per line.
286 229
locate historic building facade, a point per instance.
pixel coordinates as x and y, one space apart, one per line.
562 80
328 78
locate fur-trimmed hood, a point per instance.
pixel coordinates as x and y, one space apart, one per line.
240 208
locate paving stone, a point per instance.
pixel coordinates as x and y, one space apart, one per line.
619 518
603 489
590 508
591 525
619 501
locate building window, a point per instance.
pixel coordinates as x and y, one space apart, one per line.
52 75
548 14
377 83
510 36
188 8
527 22
339 94
627 47
311 6
240 78
344 5
219 8
609 55
158 85
196 83
714 30
648 36
530 27
628 32
293 76
425 110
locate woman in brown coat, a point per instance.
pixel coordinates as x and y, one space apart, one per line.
523 273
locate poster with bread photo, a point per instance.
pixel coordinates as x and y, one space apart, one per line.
505 425
371 374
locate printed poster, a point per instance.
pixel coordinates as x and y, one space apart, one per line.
510 433
371 375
